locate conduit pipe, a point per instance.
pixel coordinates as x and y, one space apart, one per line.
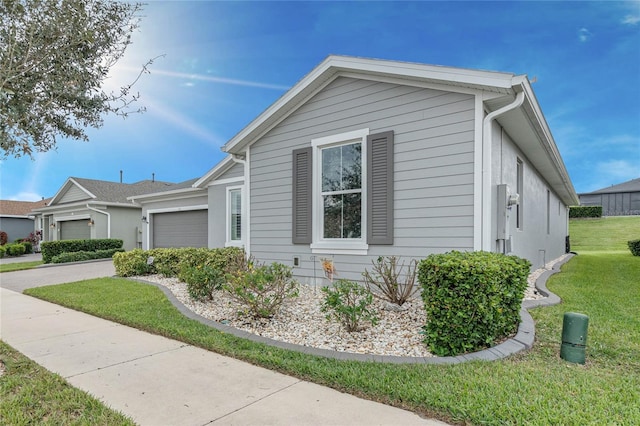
108 219
487 143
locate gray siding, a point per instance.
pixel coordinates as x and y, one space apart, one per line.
16 227
73 194
542 236
433 176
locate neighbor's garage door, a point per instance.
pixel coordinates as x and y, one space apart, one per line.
180 229
75 230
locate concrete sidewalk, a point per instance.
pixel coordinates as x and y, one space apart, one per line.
158 381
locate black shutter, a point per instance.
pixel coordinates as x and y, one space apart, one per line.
301 195
380 188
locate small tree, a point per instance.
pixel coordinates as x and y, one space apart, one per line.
54 58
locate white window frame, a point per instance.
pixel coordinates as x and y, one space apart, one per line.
228 241
321 245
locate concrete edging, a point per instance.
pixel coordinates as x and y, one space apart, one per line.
523 340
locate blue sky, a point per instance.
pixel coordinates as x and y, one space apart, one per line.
226 62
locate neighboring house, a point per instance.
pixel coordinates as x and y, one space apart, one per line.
617 200
16 218
365 158
94 209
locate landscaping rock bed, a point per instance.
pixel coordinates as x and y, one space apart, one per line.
302 323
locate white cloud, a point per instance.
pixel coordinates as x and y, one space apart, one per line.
584 35
26 196
618 170
631 19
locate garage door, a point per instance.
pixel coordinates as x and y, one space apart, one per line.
75 230
180 229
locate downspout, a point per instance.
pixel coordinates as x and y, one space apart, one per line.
108 219
246 227
487 143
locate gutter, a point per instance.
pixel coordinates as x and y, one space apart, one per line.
108 219
487 141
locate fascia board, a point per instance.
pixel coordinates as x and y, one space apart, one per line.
216 171
83 204
167 195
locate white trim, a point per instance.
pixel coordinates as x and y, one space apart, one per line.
477 173
71 218
157 196
227 181
247 208
347 246
108 218
225 164
228 241
61 190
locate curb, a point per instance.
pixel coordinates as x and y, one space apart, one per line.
523 340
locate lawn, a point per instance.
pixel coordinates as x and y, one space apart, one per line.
19 266
535 387
29 394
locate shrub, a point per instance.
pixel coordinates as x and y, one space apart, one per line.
28 247
79 256
132 263
261 289
349 303
585 211
471 299
15 249
388 281
4 238
201 281
55 248
634 246
3 251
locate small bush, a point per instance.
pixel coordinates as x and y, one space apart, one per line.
261 289
201 281
28 247
4 238
388 282
132 263
585 211
471 299
56 248
634 246
3 251
79 256
15 249
349 303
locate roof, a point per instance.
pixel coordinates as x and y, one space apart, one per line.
630 186
107 192
178 188
526 123
20 208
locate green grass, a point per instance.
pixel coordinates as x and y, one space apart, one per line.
607 234
29 394
19 266
535 387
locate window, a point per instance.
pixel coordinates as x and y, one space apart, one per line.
343 192
548 212
519 190
234 216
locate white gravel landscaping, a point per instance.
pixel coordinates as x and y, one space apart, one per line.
301 322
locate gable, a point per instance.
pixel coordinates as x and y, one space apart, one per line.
72 194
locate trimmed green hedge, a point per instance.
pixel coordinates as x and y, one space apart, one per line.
471 299
15 249
171 261
634 246
56 248
585 211
78 256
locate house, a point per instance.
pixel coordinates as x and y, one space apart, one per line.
365 158
617 200
94 209
16 218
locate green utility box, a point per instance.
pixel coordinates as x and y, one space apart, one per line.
574 337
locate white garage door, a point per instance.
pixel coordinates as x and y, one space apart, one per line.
180 229
75 230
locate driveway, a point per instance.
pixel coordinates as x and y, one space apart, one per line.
55 274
